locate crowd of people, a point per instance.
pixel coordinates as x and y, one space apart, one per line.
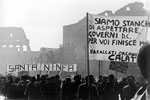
77 88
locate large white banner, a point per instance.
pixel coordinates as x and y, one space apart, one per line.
116 38
43 67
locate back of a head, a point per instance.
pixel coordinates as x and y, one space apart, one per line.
17 80
10 77
144 59
43 78
91 79
23 77
68 80
130 79
57 77
111 77
33 79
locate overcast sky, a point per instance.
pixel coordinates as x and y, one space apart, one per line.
43 20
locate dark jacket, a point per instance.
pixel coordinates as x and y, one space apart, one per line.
84 91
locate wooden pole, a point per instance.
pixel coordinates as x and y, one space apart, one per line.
88 69
99 68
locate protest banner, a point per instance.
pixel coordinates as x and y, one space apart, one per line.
41 67
116 38
120 67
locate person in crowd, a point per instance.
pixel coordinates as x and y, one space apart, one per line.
22 86
101 87
8 88
100 80
15 88
43 88
76 83
51 89
3 91
33 90
122 84
58 82
88 89
110 92
144 64
38 78
130 89
68 90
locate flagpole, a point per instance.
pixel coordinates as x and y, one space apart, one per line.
88 69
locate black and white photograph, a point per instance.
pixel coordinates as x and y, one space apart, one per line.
74 49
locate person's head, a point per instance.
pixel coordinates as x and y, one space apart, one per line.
10 78
104 79
100 78
38 76
43 78
68 80
50 79
17 80
131 79
57 77
91 79
144 60
111 77
77 78
23 77
32 79
124 80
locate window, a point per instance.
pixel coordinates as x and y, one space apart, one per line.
17 46
18 49
11 46
11 35
24 48
4 46
106 14
128 9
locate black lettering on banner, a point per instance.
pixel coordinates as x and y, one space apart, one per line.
103 21
52 67
28 67
91 27
93 40
34 66
104 41
124 42
147 23
141 43
125 36
70 68
121 67
63 67
123 58
46 67
17 68
58 67
22 67
11 68
111 57
133 57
